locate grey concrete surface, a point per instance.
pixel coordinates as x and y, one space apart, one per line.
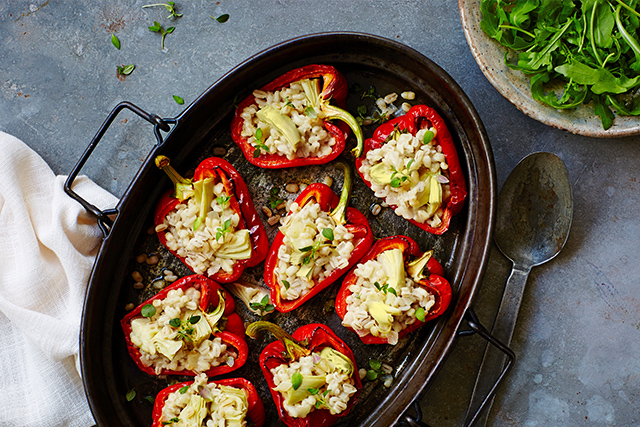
578 334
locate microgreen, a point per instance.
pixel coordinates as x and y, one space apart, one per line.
287 103
320 397
170 6
148 310
286 284
385 288
296 380
589 49
222 200
369 93
420 314
125 70
115 41
157 28
226 228
185 328
178 99
375 371
274 200
264 305
184 389
310 252
131 394
222 18
398 178
259 144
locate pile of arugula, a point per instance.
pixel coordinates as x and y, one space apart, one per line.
588 48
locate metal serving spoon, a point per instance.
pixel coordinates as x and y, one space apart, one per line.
535 208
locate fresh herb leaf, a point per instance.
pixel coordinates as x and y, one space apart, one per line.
263 305
175 322
150 399
183 390
125 70
420 314
287 103
115 41
375 364
296 380
194 319
286 284
131 394
178 99
328 233
222 18
148 310
372 375
274 200
428 137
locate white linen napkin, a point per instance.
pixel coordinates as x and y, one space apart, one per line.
48 244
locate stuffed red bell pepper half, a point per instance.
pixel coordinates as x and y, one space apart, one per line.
392 291
209 222
189 327
411 163
319 240
288 122
312 375
232 402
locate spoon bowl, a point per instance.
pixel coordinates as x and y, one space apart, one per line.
534 210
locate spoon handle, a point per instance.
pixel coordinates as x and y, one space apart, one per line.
493 360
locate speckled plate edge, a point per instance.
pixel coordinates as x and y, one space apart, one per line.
514 85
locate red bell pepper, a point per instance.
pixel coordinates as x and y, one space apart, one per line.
355 222
255 411
305 340
419 265
231 325
334 87
417 118
239 200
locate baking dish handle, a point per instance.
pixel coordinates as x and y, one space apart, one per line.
104 216
476 327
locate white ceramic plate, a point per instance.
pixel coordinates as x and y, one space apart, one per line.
514 85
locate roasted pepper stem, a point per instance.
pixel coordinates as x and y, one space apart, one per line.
339 213
183 186
295 349
331 112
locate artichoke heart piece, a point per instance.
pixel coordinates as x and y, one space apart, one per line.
415 268
308 381
381 174
167 346
195 412
233 404
393 265
142 333
282 123
214 317
203 197
238 247
383 314
338 360
431 196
